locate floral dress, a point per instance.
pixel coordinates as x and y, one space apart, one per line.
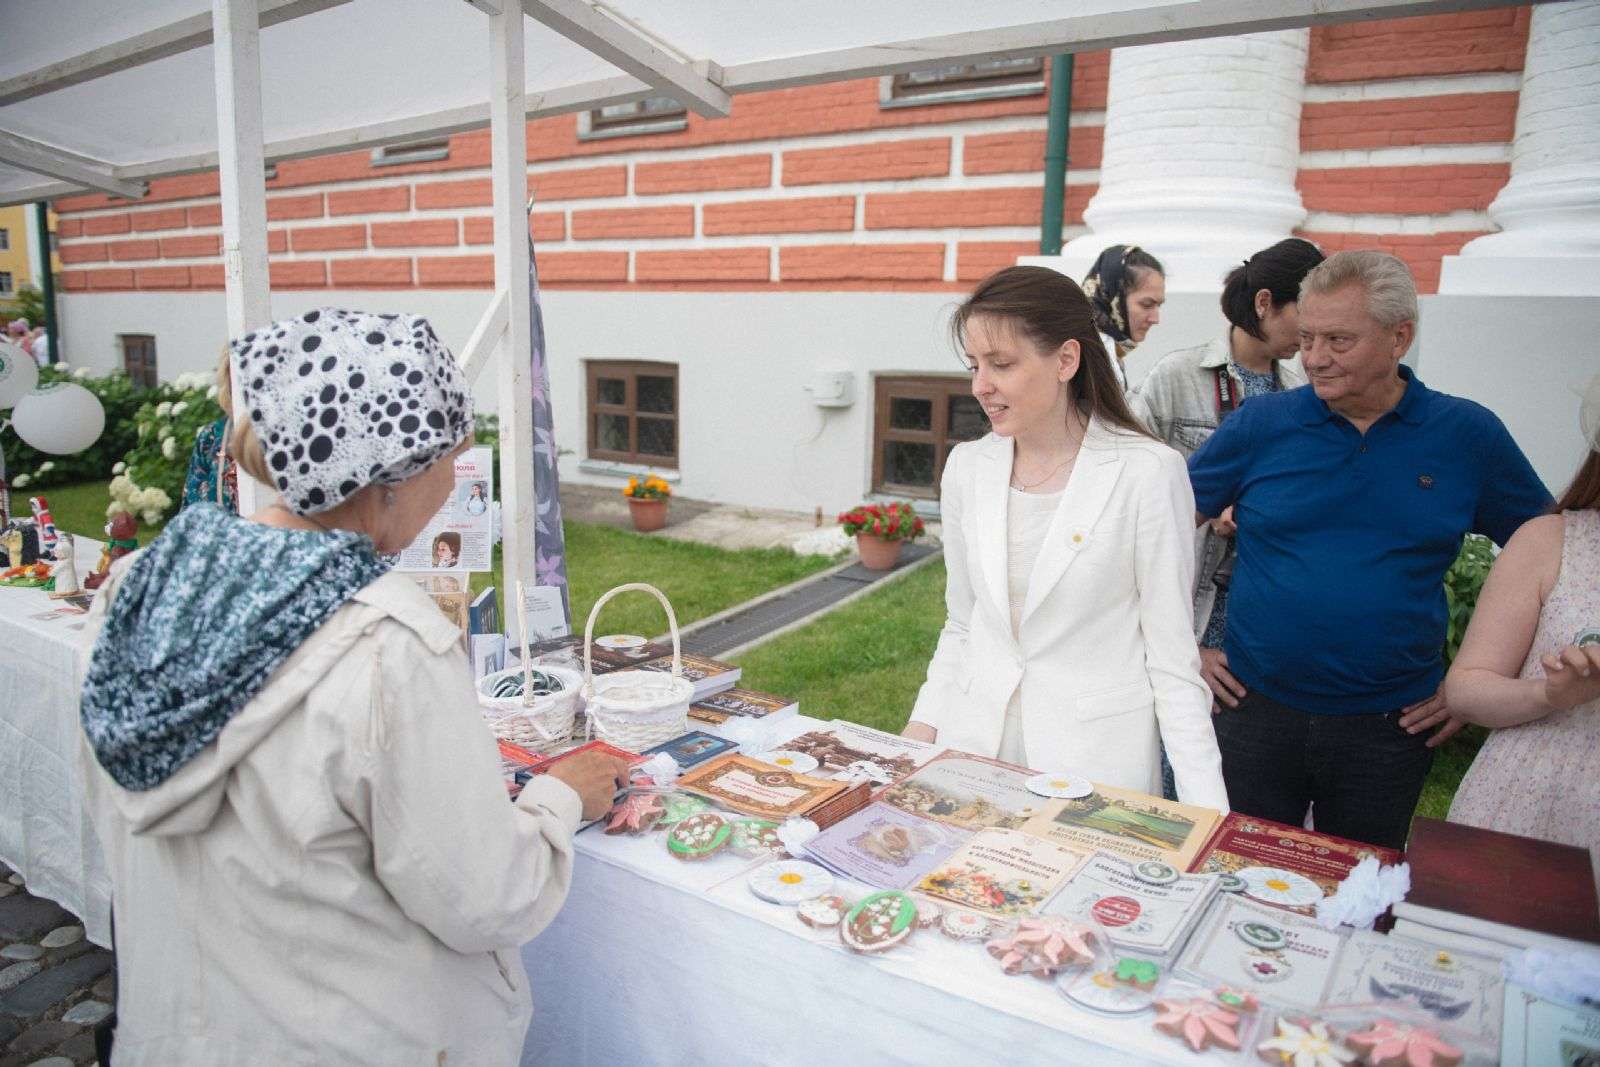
1539 779
201 484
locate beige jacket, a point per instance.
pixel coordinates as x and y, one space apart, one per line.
338 878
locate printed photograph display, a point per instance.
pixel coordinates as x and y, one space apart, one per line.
885 847
1130 824
1003 872
969 791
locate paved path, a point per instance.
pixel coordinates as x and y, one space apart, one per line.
54 985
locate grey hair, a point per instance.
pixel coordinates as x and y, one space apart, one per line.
1391 291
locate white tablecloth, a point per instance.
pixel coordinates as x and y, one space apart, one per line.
656 960
44 833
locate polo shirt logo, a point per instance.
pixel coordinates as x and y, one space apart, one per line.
1425 480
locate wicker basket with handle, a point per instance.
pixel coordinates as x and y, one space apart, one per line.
632 709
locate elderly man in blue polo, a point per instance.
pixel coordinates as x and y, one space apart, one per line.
1351 496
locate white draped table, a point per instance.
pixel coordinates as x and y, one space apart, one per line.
45 833
656 960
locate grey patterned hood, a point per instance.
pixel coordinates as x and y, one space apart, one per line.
199 623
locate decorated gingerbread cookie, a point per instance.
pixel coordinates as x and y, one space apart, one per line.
1306 1043
966 925
1199 1023
1239 1000
1043 946
635 813
755 837
880 922
699 836
1390 1044
679 806
822 912
1140 974
1100 991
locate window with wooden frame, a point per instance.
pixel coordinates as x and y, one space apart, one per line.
5 239
987 80
633 412
139 358
917 420
654 114
5 281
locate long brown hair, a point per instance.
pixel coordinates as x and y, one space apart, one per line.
1584 492
1050 309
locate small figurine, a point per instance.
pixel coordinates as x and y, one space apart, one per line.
48 537
65 570
120 542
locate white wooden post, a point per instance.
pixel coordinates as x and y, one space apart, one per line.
508 157
237 50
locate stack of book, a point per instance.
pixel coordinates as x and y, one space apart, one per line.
1482 891
708 675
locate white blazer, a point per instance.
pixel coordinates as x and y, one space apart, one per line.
1107 648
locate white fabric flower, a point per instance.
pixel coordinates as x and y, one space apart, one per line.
169 448
118 467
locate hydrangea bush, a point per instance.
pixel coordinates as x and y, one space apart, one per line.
149 479
31 469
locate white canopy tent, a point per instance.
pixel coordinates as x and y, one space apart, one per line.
102 95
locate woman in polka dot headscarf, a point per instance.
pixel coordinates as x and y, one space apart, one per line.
281 752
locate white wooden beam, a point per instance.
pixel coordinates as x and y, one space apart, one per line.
508 167
172 39
28 154
629 50
489 331
244 189
29 194
488 7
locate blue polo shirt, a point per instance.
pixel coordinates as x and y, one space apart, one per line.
1337 604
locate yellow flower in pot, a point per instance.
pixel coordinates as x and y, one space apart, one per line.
647 502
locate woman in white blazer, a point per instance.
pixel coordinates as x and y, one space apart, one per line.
1069 545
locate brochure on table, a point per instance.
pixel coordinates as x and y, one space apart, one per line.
1129 824
844 744
1454 988
1231 947
968 791
1003 872
756 788
885 847
1539 1031
1137 915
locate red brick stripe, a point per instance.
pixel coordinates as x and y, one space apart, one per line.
633 222
908 262
1424 190
699 175
877 161
1460 118
807 214
708 265
1469 42
1421 252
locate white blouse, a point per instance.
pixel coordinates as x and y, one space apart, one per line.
1028 518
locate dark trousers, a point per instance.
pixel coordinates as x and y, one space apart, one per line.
1362 772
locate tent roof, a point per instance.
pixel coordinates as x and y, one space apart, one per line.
105 94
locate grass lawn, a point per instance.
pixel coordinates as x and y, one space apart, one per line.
866 661
699 580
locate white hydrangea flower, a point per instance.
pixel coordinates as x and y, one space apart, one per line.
156 497
211 393
20 481
169 448
179 408
118 467
63 366
151 517
81 372
164 409
121 485
47 465
144 428
116 507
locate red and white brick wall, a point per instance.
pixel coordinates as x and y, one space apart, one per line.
1406 129
1405 135
812 188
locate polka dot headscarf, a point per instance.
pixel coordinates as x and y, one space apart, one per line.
343 399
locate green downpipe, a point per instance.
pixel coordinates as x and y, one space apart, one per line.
1055 155
47 281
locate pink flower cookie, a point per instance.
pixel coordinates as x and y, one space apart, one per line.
1041 947
1199 1022
1307 1043
1390 1044
1239 1000
635 814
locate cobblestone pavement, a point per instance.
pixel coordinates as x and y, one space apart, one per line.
54 984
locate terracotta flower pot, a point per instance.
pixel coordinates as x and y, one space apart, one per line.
648 515
877 553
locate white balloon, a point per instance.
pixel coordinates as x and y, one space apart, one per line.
18 374
62 418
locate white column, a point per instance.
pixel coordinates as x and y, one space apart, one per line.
1202 145
236 33
1549 213
508 158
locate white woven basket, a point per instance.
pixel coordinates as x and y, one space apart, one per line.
636 710
540 724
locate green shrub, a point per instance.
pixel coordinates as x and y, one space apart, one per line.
29 468
1462 583
149 481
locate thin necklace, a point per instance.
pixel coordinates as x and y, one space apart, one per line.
1025 486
